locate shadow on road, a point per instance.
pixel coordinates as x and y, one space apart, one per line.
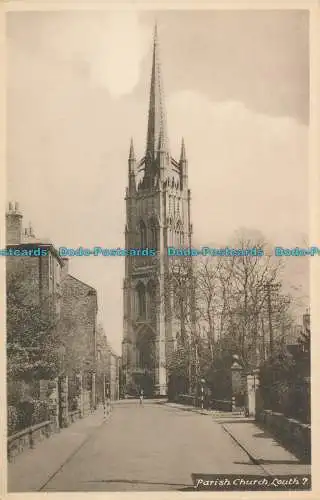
235 420
138 481
261 461
262 434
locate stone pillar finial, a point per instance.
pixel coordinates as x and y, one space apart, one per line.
237 382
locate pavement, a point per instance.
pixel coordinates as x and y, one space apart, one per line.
150 447
260 446
217 414
263 450
32 469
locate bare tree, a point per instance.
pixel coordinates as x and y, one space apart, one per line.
238 306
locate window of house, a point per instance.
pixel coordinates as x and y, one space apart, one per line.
50 266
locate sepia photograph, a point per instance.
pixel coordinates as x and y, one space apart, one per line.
157 250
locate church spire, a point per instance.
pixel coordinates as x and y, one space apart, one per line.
183 151
131 152
131 169
183 165
157 115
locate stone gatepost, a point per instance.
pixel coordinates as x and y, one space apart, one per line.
253 393
53 399
44 389
64 401
80 394
93 393
236 380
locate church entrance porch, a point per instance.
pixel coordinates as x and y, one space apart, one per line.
144 377
144 380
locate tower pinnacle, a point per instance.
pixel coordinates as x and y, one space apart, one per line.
157 115
131 152
183 151
131 169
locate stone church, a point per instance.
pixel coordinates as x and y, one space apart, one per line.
157 216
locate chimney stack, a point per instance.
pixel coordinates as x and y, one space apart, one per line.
13 225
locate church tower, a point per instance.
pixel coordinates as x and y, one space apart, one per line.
157 216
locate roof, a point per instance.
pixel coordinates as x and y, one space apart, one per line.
82 283
38 244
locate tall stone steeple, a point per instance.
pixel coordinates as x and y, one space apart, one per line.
183 165
131 170
157 137
157 216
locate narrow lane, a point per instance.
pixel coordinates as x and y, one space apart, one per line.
151 448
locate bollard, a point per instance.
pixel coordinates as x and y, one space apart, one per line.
233 403
104 410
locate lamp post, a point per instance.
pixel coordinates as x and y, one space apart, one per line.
202 392
306 327
61 354
63 387
270 287
104 397
236 377
306 320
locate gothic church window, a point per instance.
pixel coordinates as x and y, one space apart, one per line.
152 300
154 234
179 234
141 295
181 238
154 237
143 234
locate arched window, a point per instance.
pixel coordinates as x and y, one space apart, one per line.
179 234
154 237
146 355
152 300
146 348
181 238
143 234
154 234
141 295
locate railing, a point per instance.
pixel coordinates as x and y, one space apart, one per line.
27 438
213 404
186 399
74 415
221 405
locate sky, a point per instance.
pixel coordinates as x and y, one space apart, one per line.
236 87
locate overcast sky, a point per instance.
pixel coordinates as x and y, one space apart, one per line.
236 86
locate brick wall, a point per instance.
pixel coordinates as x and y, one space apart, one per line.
26 273
78 324
40 276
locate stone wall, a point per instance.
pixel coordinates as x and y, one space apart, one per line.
290 432
28 438
78 324
36 280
